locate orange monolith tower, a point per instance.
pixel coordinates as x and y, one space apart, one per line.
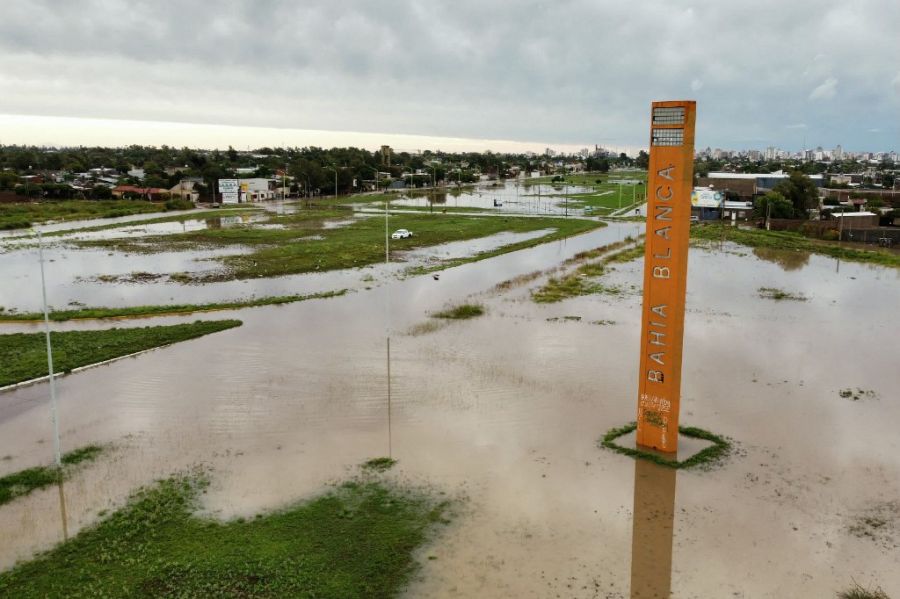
669 184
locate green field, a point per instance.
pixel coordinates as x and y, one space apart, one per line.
23 355
357 540
21 215
305 245
605 197
786 240
23 482
163 310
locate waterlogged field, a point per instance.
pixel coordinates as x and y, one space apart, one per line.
249 257
486 475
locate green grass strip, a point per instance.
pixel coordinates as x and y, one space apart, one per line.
719 449
578 282
358 540
25 481
787 240
565 228
23 355
21 215
461 312
166 310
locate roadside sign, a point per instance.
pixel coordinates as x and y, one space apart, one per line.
229 190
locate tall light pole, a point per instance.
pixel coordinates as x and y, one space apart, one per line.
52 375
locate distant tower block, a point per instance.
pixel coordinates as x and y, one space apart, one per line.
669 184
385 155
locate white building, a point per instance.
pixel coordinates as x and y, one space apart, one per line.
257 189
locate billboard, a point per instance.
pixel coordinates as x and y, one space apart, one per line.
703 197
229 190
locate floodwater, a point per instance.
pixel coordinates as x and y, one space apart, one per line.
511 197
503 412
81 224
99 277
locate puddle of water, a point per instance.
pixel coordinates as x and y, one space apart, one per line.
506 409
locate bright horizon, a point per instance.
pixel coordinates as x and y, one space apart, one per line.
53 131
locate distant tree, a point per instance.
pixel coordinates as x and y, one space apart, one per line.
800 191
781 207
101 192
643 160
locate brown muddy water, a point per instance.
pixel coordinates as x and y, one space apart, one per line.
504 412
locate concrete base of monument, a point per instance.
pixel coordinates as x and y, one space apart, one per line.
696 447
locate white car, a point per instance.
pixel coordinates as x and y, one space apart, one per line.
401 234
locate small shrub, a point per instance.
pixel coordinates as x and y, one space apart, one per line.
859 592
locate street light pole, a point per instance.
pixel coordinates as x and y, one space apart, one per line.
53 411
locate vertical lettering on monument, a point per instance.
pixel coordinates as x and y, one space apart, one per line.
670 176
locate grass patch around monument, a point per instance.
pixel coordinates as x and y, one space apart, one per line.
719 449
165 310
23 356
356 540
787 240
25 481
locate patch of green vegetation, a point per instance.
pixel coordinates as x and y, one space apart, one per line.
719 449
357 540
860 592
23 355
858 394
25 481
379 464
21 215
556 290
780 294
82 454
461 312
303 244
564 319
787 240
166 310
577 282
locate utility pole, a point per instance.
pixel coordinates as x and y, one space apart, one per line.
53 407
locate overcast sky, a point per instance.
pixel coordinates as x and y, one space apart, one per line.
764 72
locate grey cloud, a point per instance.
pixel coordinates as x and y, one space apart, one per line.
573 71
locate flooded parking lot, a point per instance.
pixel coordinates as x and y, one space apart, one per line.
503 412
